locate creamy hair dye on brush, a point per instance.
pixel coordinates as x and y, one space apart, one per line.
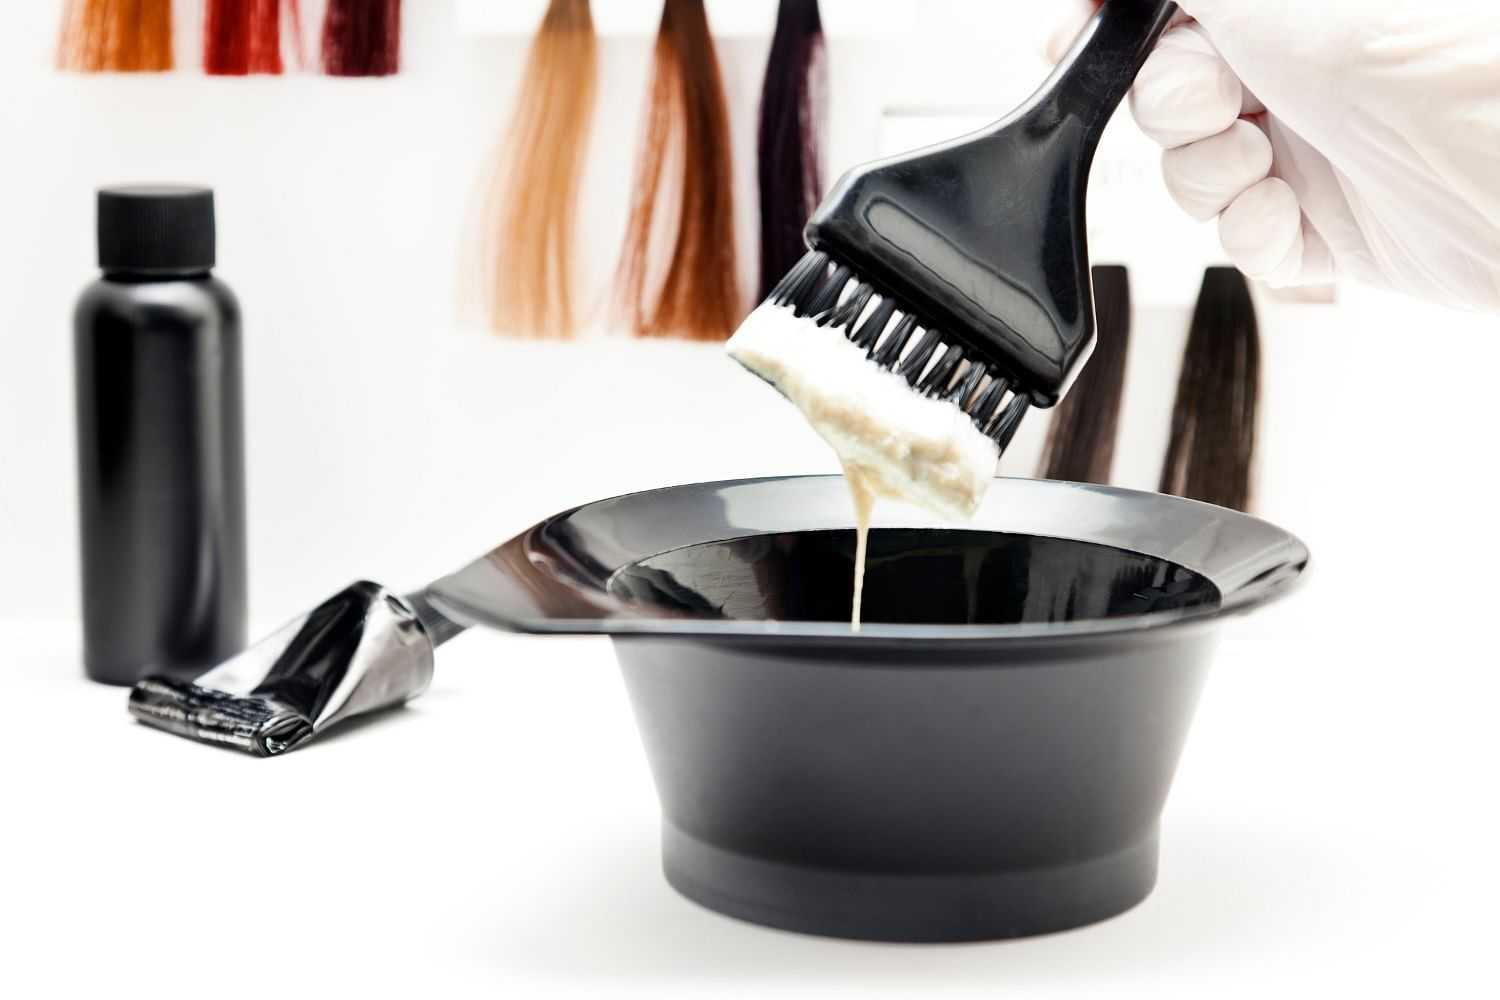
684 193
530 202
1080 445
116 36
1212 447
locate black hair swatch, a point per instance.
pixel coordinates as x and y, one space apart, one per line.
1080 444
1212 445
789 161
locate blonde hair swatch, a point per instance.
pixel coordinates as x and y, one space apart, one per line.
687 125
121 36
531 200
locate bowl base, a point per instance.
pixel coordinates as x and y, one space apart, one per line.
876 906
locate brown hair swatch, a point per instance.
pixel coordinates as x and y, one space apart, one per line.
1212 446
1080 444
697 296
121 36
531 195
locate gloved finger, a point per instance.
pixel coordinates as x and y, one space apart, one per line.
1261 231
1185 91
1205 176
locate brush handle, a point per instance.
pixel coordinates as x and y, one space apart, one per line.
1096 72
983 237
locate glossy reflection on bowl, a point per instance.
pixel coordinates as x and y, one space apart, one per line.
916 576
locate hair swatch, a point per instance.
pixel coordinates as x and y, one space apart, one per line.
1212 446
531 201
687 126
1080 443
243 36
362 37
791 104
121 36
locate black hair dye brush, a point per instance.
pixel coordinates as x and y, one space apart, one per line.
963 270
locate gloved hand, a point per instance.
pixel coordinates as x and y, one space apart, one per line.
1358 137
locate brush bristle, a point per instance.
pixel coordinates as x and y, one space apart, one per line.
933 364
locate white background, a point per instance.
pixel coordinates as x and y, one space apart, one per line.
1331 831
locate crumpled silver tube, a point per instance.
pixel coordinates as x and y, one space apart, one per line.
361 650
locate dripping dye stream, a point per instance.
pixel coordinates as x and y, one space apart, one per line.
864 504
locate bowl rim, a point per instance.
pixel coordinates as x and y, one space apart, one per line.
530 584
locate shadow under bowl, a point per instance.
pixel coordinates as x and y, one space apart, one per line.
987 757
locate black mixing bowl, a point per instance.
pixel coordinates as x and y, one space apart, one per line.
988 757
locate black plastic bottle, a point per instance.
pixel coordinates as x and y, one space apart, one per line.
161 480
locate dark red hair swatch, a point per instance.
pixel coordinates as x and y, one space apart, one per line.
791 106
362 37
242 36
116 36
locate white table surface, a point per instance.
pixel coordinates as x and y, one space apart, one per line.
1332 832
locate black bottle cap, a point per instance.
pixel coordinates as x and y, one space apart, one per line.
156 227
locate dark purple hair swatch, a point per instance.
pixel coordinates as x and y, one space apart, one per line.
790 115
362 37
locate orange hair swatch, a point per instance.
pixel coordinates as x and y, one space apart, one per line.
531 196
120 36
687 126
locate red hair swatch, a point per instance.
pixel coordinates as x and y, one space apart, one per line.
118 36
362 37
242 36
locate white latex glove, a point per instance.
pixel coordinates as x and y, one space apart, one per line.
1349 137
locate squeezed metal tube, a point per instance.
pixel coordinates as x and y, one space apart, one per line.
361 650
